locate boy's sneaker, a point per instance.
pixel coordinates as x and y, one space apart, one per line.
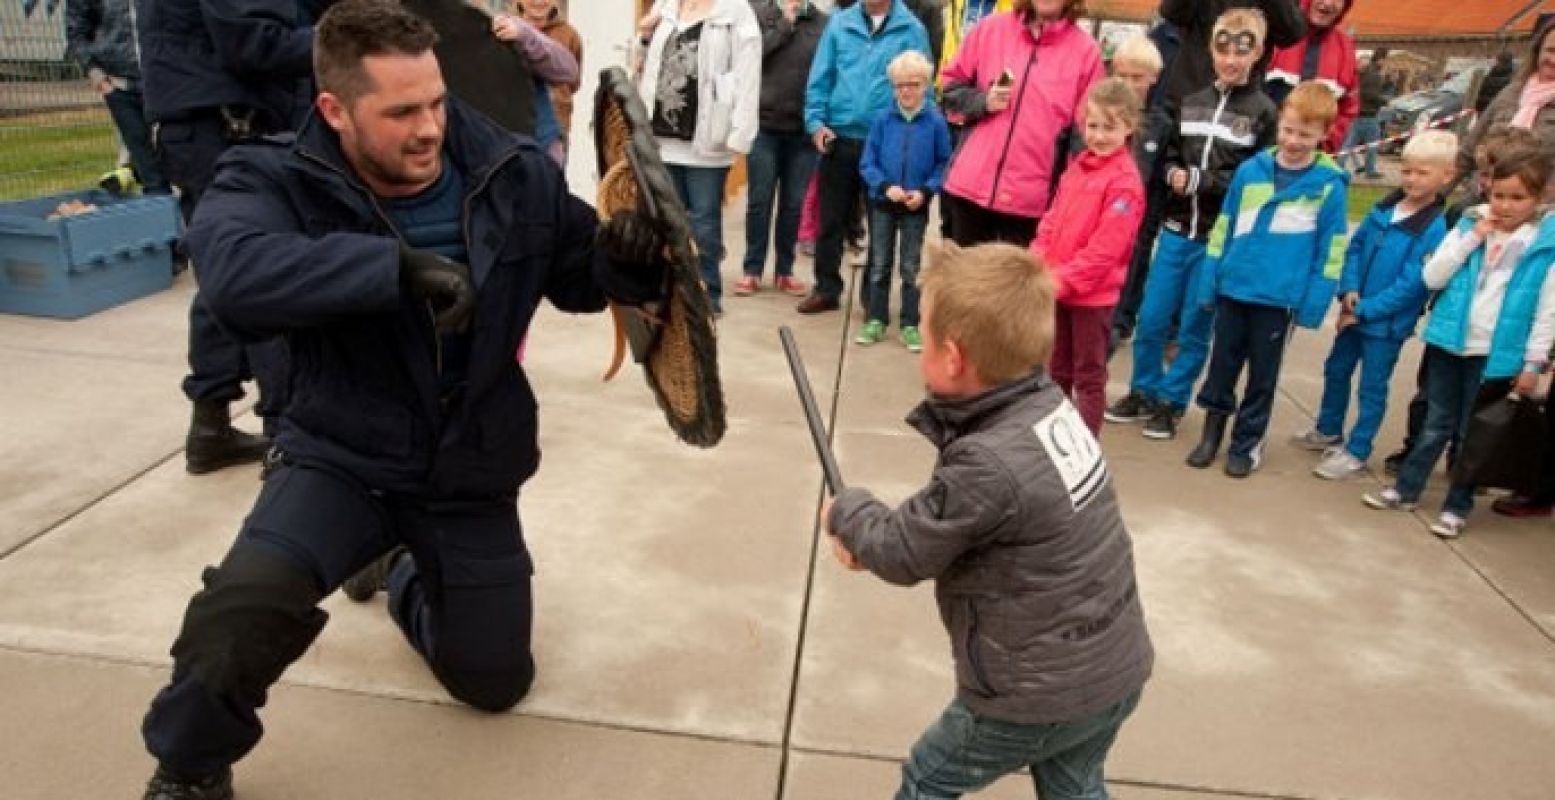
373 578
163 786
1337 465
912 339
1316 441
1241 466
787 284
872 332
1449 525
1162 424
1133 407
1388 500
746 286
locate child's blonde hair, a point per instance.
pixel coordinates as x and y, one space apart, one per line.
996 301
1237 20
1141 52
1115 97
1433 147
910 63
1312 102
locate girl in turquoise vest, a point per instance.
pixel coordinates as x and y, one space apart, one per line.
1493 323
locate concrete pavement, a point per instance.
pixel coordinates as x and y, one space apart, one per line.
692 641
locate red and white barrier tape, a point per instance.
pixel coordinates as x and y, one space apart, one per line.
1440 122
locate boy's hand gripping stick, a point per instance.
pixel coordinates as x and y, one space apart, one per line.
811 412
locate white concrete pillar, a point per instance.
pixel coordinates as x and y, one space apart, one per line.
606 27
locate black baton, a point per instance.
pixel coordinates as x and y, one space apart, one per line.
811 412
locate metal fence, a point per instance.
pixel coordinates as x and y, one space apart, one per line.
55 133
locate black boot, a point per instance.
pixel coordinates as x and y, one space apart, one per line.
213 443
1209 446
164 786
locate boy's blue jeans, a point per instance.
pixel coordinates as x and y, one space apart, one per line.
885 228
1452 385
1376 356
779 163
962 752
1169 292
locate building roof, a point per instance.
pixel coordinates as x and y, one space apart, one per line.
1391 17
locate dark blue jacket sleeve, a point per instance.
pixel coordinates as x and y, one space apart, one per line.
573 284
260 38
1350 279
260 274
942 150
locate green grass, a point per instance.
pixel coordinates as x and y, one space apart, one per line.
53 152
1362 198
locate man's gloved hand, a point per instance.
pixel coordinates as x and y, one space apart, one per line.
633 268
444 283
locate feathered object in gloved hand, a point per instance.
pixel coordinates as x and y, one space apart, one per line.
673 339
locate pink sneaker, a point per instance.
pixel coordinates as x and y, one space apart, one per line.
788 284
747 286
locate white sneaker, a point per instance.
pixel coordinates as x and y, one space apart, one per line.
1388 500
1337 465
1449 525
1315 440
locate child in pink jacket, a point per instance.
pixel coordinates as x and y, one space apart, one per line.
1087 238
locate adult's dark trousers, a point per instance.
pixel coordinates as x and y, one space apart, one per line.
780 163
1126 313
972 224
462 599
218 363
127 107
1544 491
1252 335
838 184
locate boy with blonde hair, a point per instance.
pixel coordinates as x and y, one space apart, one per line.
1274 255
1382 294
1138 63
1020 529
903 167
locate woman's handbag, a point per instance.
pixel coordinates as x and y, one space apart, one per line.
1504 448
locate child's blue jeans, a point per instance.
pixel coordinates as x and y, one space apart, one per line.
890 231
1452 385
1169 292
962 752
1376 356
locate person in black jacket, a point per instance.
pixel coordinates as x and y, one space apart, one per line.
101 38
401 242
218 72
782 159
1373 89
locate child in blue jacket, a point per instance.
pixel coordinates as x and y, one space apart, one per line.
1276 251
1382 295
903 166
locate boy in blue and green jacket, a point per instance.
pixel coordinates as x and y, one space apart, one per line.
1276 252
1382 294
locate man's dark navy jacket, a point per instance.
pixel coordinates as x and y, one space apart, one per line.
287 240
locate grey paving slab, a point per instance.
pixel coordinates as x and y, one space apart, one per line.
350 746
827 776
669 587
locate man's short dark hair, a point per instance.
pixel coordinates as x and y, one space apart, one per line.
354 29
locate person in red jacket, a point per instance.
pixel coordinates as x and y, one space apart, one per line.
1087 239
1326 55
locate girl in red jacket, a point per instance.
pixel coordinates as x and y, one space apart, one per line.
1086 239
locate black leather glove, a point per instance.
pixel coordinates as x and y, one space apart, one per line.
633 265
444 283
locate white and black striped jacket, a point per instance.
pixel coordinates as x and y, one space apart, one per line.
1215 131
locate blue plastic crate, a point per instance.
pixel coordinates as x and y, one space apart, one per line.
73 266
